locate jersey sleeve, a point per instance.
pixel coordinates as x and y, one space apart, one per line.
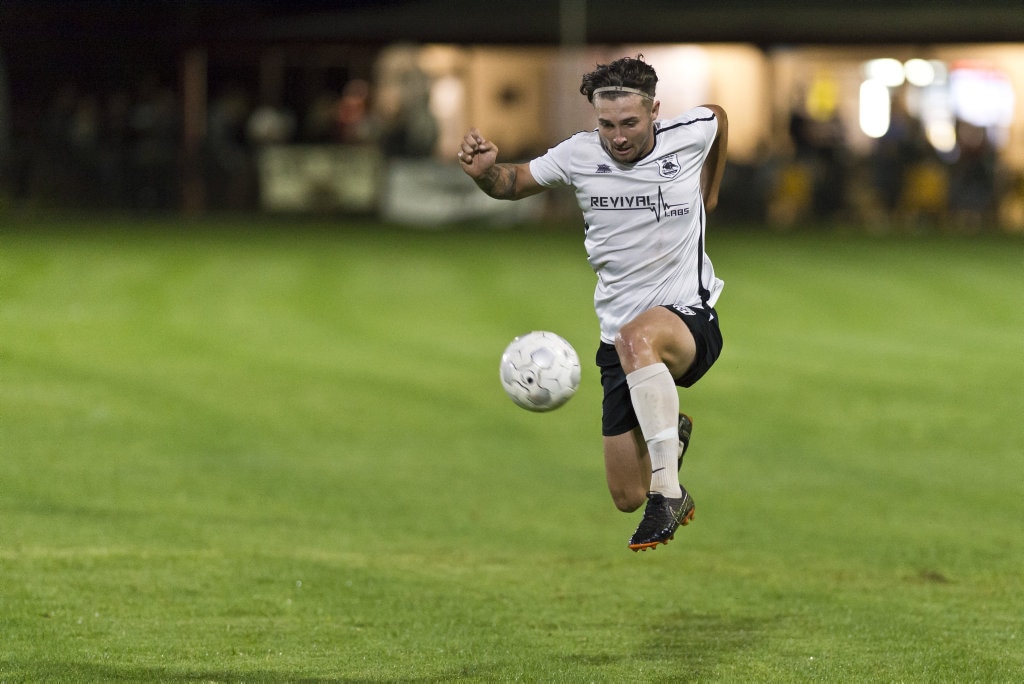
552 168
709 127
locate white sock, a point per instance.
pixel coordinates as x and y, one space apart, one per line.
656 403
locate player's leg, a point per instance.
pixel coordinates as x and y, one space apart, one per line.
627 461
627 468
654 349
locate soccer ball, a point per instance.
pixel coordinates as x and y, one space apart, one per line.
540 371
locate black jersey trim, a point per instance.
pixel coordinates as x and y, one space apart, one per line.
661 129
705 294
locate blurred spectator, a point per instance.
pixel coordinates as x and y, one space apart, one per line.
230 175
925 197
353 108
270 125
155 132
801 130
321 122
814 182
830 167
789 201
402 123
894 154
973 179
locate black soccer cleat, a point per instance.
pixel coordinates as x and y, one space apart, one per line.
685 428
661 519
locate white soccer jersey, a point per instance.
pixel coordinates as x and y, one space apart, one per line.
645 221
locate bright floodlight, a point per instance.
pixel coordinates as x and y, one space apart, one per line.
875 108
919 72
887 71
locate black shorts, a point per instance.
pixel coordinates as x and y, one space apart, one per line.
617 414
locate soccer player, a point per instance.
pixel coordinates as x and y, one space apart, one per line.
644 186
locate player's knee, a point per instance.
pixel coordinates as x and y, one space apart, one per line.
633 345
630 335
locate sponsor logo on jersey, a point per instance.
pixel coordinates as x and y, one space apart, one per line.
621 202
604 168
656 205
668 166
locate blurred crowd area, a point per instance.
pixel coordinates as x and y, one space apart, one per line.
900 183
126 150
109 150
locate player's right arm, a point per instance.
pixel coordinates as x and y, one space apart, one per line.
478 159
714 164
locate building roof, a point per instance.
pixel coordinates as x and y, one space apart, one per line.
550 22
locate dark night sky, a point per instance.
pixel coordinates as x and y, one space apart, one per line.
137 24
100 43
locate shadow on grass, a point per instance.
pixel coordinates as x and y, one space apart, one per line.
691 644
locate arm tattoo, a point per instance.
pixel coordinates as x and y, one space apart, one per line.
500 181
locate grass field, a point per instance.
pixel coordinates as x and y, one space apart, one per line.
281 453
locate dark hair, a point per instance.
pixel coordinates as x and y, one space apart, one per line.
628 72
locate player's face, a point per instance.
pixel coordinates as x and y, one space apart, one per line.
626 126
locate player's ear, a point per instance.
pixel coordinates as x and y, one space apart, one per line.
654 109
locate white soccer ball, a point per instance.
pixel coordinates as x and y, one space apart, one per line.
540 371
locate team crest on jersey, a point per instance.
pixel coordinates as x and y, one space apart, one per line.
668 166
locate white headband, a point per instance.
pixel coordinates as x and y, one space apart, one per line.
622 89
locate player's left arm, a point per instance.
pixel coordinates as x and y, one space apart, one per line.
479 158
714 164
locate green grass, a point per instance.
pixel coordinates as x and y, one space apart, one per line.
238 452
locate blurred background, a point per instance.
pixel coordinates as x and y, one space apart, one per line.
890 116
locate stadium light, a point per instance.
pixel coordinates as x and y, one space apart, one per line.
919 72
887 71
875 108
